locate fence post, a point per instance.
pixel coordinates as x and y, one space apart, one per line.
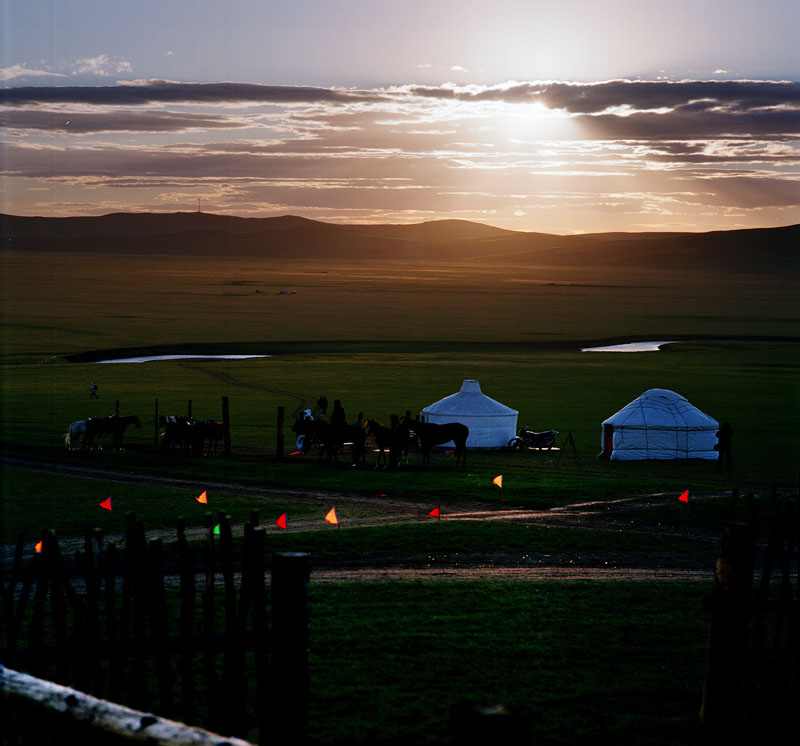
724 693
226 426
290 640
279 440
189 410
155 441
116 407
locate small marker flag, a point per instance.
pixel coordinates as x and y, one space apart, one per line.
435 512
106 504
331 517
216 530
684 498
202 498
282 522
295 453
37 547
498 480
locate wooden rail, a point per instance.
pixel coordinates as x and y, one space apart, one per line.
35 705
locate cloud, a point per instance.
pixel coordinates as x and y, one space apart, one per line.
82 122
20 71
624 148
101 65
594 98
139 93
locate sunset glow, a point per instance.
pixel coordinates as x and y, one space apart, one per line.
623 128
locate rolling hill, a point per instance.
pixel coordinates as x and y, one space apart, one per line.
761 251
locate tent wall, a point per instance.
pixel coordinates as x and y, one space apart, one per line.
490 433
640 443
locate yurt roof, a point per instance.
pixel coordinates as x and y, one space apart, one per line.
470 401
661 409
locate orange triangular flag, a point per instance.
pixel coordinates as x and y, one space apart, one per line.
331 517
106 504
684 498
498 480
202 498
37 547
435 512
282 522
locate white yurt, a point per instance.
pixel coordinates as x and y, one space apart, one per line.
660 424
491 424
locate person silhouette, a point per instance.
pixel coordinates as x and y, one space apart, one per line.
725 445
93 391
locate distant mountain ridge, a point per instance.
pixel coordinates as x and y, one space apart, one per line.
760 250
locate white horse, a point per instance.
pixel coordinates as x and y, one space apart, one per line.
76 436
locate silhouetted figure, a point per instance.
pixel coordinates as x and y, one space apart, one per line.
359 420
93 391
338 420
322 406
725 445
303 442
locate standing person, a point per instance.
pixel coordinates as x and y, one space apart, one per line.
725 445
322 406
338 420
302 439
93 391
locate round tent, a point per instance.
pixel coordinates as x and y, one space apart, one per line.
491 424
660 424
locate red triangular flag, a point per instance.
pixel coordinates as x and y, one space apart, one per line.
435 512
331 517
106 504
37 547
202 498
282 522
684 498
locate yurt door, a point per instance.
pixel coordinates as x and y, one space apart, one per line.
608 440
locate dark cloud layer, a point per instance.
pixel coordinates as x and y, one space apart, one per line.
593 98
150 92
113 121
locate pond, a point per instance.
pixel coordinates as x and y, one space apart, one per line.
630 347
151 358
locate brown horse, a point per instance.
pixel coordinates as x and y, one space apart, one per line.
432 434
97 427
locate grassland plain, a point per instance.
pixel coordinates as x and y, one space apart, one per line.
385 337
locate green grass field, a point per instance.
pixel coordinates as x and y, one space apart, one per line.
383 338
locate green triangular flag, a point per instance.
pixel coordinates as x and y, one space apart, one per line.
216 530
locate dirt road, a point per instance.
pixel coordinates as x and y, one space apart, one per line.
605 515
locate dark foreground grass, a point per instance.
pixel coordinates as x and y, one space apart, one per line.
587 661
37 501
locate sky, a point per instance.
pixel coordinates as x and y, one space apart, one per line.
558 116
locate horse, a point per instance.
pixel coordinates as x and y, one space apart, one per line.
332 438
394 440
76 436
210 431
112 425
433 434
177 431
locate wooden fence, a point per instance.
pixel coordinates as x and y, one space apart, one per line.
753 673
185 633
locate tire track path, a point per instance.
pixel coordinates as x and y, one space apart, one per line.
409 509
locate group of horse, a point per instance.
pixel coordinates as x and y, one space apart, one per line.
193 436
197 438
88 434
392 443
